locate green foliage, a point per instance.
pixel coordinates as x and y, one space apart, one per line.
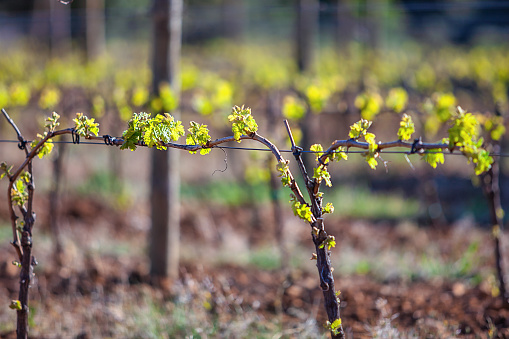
140 96
198 135
162 129
339 154
329 208
213 94
20 94
369 104
406 127
330 242
302 211
317 97
255 175
85 126
19 192
135 129
320 173
397 99
284 173
169 100
46 148
493 124
242 122
434 157
51 124
166 101
15 305
372 154
157 131
359 129
6 170
98 105
335 327
293 108
50 97
464 134
465 129
441 109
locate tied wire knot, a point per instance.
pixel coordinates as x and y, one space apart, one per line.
415 145
297 151
75 136
109 140
22 144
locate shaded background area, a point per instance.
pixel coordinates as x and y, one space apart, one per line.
408 236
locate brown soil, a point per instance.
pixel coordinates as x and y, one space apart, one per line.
433 308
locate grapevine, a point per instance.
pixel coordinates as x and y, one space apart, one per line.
163 131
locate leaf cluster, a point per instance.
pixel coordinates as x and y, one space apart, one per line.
302 211
330 242
334 327
19 192
284 173
464 134
293 108
320 173
360 129
397 99
5 170
242 121
406 127
157 131
369 104
85 126
198 135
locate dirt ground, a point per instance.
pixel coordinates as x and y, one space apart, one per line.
103 288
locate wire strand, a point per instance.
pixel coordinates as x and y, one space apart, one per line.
501 155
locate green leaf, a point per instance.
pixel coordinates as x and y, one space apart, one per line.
6 170
46 148
406 127
320 173
168 99
140 96
85 126
339 154
317 149
329 208
303 211
335 327
198 135
317 97
52 122
330 242
284 173
50 97
135 130
397 99
359 129
19 191
157 131
434 157
369 104
371 160
242 122
293 108
162 129
15 305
